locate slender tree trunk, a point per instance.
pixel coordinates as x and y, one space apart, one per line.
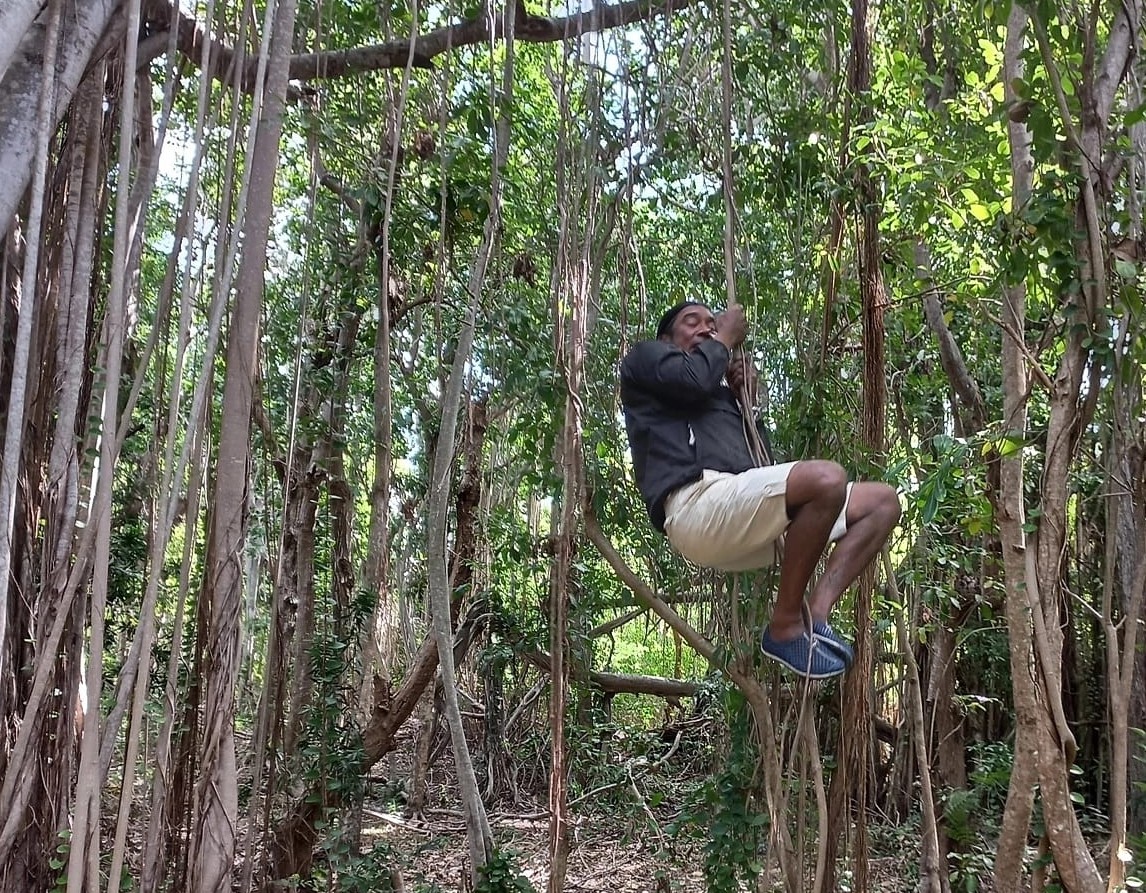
213 835
478 833
1044 579
1120 672
932 872
419 774
1125 573
296 587
571 355
86 846
160 827
1009 504
41 108
856 745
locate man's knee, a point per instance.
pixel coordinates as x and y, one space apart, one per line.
820 476
889 507
816 480
873 499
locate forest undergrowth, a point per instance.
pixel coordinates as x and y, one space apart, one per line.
666 810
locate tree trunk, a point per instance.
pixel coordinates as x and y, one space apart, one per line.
82 28
1120 672
25 293
856 744
38 708
1125 573
1010 509
86 845
932 871
1084 306
478 833
213 835
571 354
381 634
15 20
420 772
295 587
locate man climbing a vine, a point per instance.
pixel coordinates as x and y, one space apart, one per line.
692 449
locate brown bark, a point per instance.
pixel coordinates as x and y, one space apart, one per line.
1010 509
1044 579
951 756
969 397
854 783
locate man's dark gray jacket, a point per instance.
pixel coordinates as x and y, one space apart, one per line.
680 418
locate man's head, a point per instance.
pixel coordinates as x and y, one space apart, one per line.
686 324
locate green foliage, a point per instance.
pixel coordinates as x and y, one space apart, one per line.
972 817
58 862
974 814
346 870
971 870
501 875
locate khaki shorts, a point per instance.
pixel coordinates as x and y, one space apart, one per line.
732 521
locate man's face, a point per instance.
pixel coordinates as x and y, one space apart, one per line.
692 325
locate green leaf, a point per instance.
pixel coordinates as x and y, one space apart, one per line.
931 507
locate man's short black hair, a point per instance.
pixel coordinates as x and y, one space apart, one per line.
664 327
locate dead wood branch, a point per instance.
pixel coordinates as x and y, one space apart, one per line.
627 683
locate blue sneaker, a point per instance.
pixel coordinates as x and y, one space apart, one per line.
822 632
805 655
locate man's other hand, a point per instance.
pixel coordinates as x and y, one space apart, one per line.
731 327
741 373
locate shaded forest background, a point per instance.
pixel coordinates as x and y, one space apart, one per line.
312 456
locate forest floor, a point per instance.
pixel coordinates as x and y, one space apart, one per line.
605 856
630 847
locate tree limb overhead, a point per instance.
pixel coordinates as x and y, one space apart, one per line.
395 53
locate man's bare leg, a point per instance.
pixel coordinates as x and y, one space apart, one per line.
873 511
815 495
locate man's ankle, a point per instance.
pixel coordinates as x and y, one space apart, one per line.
786 631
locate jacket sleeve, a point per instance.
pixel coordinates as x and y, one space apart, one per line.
673 375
